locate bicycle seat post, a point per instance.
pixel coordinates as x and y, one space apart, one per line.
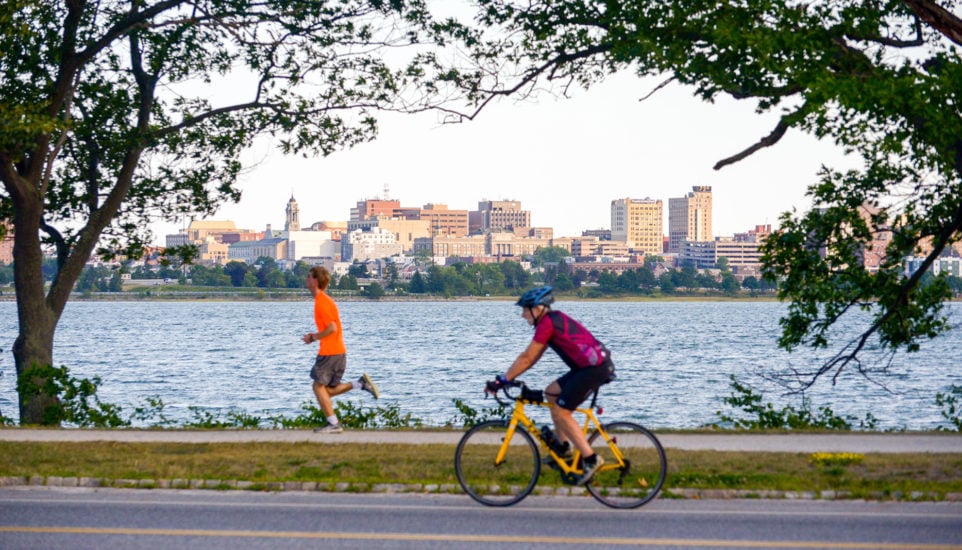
594 399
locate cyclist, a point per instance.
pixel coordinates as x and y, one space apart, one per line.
588 359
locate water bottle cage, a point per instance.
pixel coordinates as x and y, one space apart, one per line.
552 441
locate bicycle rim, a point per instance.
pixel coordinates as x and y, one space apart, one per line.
637 478
496 484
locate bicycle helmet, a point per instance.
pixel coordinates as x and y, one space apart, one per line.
538 296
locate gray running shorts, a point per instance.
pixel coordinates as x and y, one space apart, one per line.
328 369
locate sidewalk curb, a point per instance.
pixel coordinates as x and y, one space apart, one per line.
446 488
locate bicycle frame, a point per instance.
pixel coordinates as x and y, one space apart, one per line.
518 416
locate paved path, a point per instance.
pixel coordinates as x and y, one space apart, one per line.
841 442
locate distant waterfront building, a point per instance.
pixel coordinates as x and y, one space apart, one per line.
509 245
603 234
874 251
176 239
212 252
500 245
587 247
309 244
447 246
404 231
336 229
213 238
198 230
6 244
741 252
541 232
292 218
444 221
503 215
689 218
563 242
241 235
950 265
758 234
370 208
273 245
602 264
370 244
638 223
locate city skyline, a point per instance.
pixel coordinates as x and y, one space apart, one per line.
565 160
292 215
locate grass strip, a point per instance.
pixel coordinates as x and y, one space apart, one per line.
925 475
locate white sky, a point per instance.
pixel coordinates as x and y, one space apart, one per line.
564 159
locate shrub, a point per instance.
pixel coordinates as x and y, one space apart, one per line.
469 416
764 416
952 409
77 402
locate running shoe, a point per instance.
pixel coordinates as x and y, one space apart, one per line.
329 429
368 385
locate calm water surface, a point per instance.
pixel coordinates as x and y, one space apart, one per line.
674 359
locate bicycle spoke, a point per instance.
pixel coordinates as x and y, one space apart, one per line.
485 480
635 466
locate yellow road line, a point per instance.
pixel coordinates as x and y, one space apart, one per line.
426 537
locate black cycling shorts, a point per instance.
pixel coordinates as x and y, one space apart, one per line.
578 384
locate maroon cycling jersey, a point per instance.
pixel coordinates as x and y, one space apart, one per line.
570 340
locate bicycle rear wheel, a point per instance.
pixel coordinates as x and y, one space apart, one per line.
485 480
638 476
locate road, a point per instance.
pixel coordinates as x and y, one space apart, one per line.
115 518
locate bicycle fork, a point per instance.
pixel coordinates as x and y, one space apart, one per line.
620 462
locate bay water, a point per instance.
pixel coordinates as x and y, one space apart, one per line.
673 359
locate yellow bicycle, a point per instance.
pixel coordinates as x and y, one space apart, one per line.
498 465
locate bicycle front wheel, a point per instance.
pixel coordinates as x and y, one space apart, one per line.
635 465
491 482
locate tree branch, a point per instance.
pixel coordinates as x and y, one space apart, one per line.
63 250
658 87
767 141
938 18
530 77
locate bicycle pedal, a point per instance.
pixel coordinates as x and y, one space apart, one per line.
569 479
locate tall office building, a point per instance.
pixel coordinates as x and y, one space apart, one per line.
689 218
444 221
638 223
371 208
493 216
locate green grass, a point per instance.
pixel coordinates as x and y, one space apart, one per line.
875 476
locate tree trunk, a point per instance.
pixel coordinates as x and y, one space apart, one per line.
33 347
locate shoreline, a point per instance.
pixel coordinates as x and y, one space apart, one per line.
245 296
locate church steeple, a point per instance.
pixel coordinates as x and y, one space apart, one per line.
293 221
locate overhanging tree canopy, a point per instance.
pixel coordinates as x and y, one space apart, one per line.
113 113
881 79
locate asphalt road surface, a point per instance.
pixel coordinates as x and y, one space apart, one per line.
38 518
